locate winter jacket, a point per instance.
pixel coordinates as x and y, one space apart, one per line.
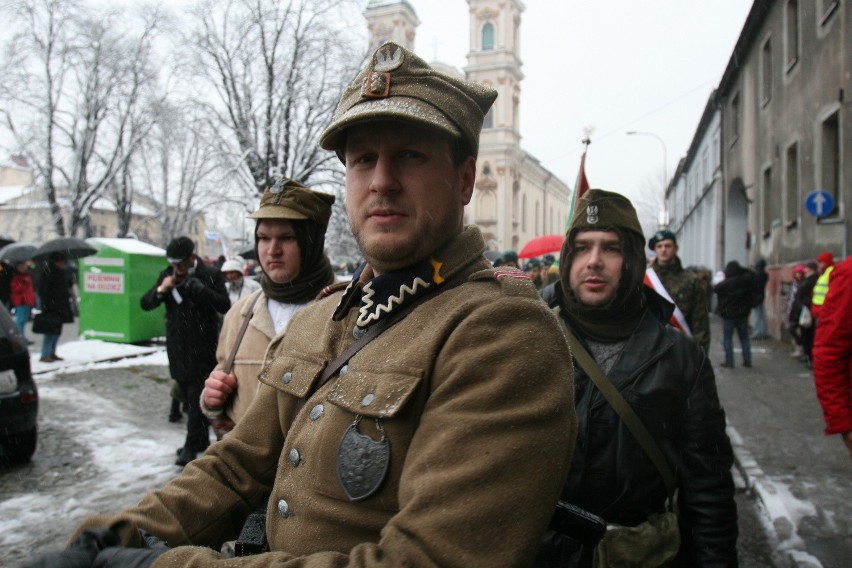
22 289
804 292
735 292
471 391
192 326
689 293
54 291
832 352
6 273
669 383
242 288
761 277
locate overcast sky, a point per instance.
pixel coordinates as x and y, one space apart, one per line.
615 65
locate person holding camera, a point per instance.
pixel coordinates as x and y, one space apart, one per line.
194 294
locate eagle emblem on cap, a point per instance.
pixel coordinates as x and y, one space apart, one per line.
592 214
387 60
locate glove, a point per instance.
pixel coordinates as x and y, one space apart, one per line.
118 557
194 286
81 553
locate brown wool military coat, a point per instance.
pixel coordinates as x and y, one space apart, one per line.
250 354
473 390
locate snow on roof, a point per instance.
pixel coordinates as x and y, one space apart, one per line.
12 192
131 246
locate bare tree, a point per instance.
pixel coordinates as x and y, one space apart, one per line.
78 103
276 69
177 174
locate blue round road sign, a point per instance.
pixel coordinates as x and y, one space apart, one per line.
819 203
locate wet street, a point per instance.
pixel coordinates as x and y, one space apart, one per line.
104 440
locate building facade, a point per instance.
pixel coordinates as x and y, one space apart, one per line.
783 110
25 214
515 197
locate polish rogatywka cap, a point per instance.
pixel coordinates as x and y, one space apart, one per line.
398 85
289 199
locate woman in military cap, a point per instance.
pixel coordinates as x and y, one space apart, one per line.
289 242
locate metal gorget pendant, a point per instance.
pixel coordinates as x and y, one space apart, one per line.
362 463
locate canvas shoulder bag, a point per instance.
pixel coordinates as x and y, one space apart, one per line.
655 542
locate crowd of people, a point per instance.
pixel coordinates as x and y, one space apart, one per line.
439 409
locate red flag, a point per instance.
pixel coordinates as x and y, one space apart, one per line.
581 185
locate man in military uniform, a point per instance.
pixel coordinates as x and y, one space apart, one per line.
681 286
664 377
422 416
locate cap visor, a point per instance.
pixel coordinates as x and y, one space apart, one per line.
400 109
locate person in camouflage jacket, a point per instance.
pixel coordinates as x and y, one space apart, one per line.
685 288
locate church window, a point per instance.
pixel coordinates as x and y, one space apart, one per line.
487 37
489 119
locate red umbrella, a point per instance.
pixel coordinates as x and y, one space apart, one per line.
546 244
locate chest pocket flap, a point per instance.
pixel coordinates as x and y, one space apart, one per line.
375 394
293 374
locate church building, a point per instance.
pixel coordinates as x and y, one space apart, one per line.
516 198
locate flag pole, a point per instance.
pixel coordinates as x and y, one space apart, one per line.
581 184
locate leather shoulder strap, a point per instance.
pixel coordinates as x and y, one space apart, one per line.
229 362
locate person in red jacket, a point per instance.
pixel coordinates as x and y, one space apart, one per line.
832 355
22 296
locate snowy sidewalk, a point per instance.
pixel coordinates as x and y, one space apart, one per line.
82 354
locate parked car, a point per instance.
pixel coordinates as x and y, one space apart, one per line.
18 395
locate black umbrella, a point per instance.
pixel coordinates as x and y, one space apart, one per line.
6 240
67 247
18 252
248 253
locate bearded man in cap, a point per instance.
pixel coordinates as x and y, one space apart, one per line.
194 295
619 324
682 287
374 393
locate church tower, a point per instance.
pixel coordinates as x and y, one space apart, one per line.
391 20
515 197
494 60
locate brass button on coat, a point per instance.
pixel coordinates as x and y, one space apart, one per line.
368 399
288 376
317 411
295 457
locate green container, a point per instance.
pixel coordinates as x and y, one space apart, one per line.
111 285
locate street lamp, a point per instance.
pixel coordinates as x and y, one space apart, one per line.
665 172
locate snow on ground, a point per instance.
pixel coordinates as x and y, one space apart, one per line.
128 474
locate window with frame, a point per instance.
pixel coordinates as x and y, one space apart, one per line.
831 160
735 118
791 35
488 122
769 217
791 192
766 72
488 37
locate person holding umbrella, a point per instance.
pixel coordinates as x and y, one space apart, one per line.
54 292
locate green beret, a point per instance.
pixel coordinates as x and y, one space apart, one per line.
288 199
600 210
398 85
661 235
